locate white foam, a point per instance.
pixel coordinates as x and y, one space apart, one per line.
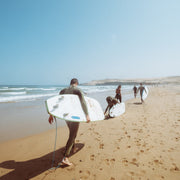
94 89
28 97
16 89
12 93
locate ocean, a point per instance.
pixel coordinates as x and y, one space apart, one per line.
24 93
19 93
23 111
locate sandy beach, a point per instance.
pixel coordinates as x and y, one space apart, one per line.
143 143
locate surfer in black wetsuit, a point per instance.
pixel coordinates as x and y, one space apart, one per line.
73 126
118 93
141 89
111 102
135 91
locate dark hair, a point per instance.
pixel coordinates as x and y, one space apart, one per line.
109 99
73 81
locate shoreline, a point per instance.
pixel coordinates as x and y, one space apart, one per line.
23 119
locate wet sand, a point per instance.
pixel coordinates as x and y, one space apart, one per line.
143 143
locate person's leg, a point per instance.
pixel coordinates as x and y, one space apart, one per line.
73 129
142 98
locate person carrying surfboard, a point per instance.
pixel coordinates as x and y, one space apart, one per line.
111 102
73 126
118 93
141 88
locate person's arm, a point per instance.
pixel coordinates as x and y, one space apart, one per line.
106 109
83 104
62 91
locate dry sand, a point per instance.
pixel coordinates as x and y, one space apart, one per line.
144 143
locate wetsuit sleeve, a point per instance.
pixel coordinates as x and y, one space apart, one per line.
82 100
62 91
106 109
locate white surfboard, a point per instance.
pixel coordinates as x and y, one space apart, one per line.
117 110
68 107
145 93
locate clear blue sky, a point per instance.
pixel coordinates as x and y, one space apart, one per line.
52 41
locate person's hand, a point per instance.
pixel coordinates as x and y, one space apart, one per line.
50 119
87 119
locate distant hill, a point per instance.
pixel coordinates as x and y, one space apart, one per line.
164 80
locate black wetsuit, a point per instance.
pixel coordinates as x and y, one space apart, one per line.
73 126
135 91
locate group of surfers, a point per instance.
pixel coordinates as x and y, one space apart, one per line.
118 97
74 126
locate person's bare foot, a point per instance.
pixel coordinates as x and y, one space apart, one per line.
65 161
74 150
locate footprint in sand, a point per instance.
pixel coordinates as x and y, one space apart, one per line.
111 161
132 173
85 174
171 149
112 178
107 162
134 162
97 139
120 139
96 133
101 146
125 162
174 168
92 157
157 161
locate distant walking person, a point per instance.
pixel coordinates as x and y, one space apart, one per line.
73 126
135 91
118 93
141 89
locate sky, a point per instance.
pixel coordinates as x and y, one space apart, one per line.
51 41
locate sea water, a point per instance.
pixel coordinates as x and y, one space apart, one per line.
19 93
23 111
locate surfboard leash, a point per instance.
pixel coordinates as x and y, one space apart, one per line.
53 158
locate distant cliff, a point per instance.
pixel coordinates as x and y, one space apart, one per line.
153 81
